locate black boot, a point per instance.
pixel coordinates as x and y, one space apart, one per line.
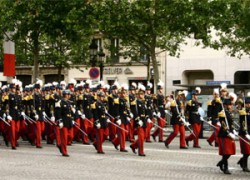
245 166
226 171
240 162
220 164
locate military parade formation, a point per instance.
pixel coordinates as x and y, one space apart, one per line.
63 113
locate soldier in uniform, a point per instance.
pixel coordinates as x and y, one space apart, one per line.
140 121
213 108
4 104
177 122
65 122
149 110
101 122
244 132
132 103
194 119
226 136
161 115
13 115
38 110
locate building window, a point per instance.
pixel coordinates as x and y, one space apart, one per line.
114 50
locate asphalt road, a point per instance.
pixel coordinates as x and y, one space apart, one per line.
27 162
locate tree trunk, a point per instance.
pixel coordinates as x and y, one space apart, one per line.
36 57
59 73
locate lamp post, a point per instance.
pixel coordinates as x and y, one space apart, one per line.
93 57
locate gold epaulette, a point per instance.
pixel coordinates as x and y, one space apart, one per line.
218 100
127 98
106 98
154 96
93 106
172 103
209 103
80 97
5 98
26 98
52 96
47 97
242 112
116 101
189 103
95 97
30 97
133 103
221 114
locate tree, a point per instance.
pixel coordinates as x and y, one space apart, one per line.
40 25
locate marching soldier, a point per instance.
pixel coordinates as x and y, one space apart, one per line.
213 108
101 122
226 136
132 103
140 121
4 105
161 115
177 122
65 122
194 119
244 132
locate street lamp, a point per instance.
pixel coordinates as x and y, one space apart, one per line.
93 57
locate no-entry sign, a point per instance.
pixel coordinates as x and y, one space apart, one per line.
94 73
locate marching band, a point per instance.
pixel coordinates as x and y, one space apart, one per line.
61 113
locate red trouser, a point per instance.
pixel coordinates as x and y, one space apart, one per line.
66 134
158 131
58 136
76 130
39 126
214 135
50 133
131 130
13 132
139 143
244 147
178 128
100 138
149 127
87 126
196 130
120 140
112 130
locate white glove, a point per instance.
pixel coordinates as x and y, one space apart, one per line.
154 114
53 119
83 116
36 117
98 125
119 122
209 122
60 125
187 123
44 114
128 119
73 122
248 137
79 112
149 120
158 114
131 115
108 121
9 117
58 104
235 133
167 112
22 114
4 115
232 136
140 123
218 124
73 110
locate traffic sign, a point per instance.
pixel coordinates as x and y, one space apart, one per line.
94 73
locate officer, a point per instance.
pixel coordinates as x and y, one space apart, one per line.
132 103
244 132
101 122
213 108
194 119
177 122
226 135
161 115
65 122
140 121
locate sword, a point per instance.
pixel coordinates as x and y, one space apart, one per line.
208 123
158 126
114 123
88 120
237 124
4 121
49 120
243 139
76 125
28 118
